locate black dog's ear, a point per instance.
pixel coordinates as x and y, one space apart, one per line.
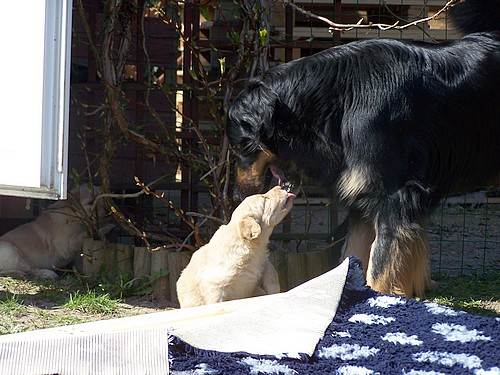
268 108
256 106
283 114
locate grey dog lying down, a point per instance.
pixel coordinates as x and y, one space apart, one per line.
51 241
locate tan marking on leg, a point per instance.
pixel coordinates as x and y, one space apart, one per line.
359 241
407 271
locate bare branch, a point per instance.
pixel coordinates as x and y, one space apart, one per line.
203 216
118 215
177 246
128 195
381 26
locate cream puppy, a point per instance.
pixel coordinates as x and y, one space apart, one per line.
235 263
52 240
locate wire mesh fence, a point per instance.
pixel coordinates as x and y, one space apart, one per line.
463 233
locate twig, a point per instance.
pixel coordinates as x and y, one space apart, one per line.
128 195
118 215
176 246
207 217
213 169
381 26
178 212
422 11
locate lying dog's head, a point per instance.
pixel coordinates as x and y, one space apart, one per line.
82 207
253 134
80 194
81 199
262 212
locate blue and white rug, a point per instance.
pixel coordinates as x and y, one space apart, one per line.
370 333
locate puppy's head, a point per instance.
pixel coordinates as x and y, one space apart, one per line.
262 212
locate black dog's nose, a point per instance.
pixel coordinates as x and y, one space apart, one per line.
287 186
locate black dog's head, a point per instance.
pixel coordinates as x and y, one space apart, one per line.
251 129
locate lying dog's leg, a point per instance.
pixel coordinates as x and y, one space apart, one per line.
11 259
44 274
359 239
270 281
399 260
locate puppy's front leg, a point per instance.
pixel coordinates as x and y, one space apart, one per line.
270 281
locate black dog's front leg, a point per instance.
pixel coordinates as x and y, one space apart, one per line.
359 239
399 259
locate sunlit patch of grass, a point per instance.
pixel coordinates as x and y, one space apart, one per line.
92 303
18 286
30 304
10 308
476 295
11 305
41 318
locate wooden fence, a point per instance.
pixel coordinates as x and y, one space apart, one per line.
112 260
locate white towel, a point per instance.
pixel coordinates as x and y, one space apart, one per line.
284 324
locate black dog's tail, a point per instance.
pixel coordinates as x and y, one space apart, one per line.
474 16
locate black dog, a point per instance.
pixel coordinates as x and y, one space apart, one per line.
391 126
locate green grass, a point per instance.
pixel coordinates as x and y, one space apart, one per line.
475 295
10 308
35 304
11 305
92 303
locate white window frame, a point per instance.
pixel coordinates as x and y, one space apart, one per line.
55 102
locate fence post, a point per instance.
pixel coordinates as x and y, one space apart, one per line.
279 260
142 264
177 261
92 256
161 285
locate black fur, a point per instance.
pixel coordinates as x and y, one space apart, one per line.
414 121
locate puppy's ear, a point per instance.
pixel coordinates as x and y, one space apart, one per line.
249 228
